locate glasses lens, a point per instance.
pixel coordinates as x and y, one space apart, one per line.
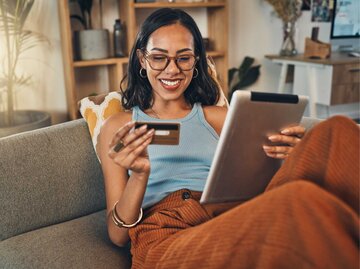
157 62
185 62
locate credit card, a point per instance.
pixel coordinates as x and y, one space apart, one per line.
166 133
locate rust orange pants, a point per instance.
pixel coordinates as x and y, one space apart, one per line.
306 218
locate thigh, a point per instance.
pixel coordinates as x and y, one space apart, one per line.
298 223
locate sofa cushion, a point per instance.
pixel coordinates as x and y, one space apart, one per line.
48 176
79 243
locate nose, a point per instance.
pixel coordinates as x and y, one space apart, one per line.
172 67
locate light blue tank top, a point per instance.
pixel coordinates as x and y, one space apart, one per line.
181 166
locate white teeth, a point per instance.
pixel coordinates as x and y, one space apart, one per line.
170 83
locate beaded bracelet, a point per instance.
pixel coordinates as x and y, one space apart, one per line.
119 223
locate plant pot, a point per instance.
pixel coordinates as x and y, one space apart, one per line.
24 120
92 44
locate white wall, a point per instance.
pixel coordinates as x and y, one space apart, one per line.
255 31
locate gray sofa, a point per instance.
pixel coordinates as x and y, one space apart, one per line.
52 201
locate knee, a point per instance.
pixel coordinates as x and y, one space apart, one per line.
338 121
334 128
301 187
299 192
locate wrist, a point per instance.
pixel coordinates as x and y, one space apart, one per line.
140 176
119 222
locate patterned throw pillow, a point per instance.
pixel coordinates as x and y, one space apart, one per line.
96 109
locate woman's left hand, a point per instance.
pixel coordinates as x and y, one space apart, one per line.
284 142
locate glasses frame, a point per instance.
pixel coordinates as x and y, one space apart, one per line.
168 59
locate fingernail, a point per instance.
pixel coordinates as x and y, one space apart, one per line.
285 131
266 147
272 137
144 127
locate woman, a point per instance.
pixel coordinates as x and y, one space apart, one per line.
168 80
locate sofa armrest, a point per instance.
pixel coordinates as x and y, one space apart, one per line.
48 176
309 123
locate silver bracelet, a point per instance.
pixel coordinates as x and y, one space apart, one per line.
119 223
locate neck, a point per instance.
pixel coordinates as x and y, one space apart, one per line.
173 111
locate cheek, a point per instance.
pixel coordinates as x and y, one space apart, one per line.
189 77
152 76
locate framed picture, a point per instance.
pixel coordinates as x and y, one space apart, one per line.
321 10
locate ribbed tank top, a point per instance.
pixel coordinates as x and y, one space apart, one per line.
180 166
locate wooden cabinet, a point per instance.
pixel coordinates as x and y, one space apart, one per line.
82 77
327 82
333 81
345 84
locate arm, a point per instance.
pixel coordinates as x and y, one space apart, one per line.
128 191
215 116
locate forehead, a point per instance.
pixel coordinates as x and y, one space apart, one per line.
171 38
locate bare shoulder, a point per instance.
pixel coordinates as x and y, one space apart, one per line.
114 122
215 116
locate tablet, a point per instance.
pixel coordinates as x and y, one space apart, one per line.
240 168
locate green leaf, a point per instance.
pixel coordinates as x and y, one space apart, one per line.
30 39
85 7
231 73
244 76
80 19
245 65
25 10
251 77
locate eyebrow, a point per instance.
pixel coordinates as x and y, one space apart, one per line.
166 51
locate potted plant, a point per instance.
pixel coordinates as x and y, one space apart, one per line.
244 76
15 40
90 43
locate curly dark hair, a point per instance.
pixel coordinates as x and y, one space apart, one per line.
138 91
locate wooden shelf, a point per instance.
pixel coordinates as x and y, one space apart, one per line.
215 54
83 76
179 5
109 61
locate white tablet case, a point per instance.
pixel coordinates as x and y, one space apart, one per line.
240 169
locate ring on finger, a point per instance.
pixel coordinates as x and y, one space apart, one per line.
119 146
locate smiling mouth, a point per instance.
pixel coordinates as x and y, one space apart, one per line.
170 82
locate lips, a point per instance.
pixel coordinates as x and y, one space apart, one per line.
170 84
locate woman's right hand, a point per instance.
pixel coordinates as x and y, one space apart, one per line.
132 154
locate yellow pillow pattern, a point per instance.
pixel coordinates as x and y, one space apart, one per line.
96 109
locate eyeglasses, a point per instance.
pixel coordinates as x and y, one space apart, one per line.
159 62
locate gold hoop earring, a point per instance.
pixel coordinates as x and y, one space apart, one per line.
197 73
142 73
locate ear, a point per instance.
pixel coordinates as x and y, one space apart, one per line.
141 58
